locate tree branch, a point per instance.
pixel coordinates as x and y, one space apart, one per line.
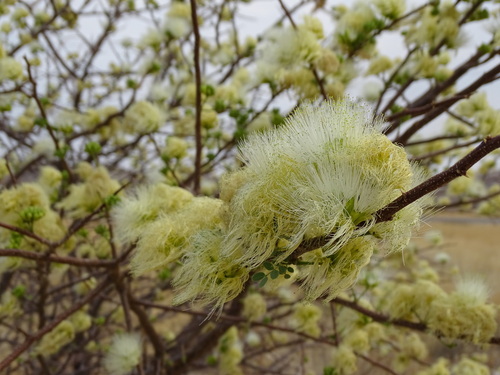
386 213
197 70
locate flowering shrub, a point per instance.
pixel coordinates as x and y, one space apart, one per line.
184 194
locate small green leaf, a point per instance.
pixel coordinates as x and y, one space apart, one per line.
19 291
282 269
258 276
290 269
263 282
329 371
93 148
268 266
111 201
164 274
41 121
287 276
274 274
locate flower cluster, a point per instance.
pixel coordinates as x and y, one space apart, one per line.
324 174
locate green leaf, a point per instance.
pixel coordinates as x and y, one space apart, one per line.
274 274
282 269
329 371
41 121
93 148
287 276
19 291
263 282
268 266
164 274
258 276
290 269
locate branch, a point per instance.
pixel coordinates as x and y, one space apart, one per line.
73 261
386 213
458 169
313 69
30 340
443 151
381 318
197 70
487 77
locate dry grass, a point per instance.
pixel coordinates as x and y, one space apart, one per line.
473 242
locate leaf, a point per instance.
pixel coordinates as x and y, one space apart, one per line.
274 274
263 282
258 276
268 266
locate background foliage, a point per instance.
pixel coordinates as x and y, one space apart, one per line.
116 114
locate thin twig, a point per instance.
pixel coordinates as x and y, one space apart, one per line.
386 213
49 327
197 70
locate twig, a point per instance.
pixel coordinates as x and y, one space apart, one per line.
381 318
313 69
444 150
197 70
51 258
49 327
386 213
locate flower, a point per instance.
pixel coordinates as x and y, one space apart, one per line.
124 354
324 173
10 69
143 117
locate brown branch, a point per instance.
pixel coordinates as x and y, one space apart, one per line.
386 213
51 258
458 169
468 201
375 363
415 111
433 139
40 106
485 78
30 340
148 328
387 85
381 318
197 71
26 233
444 150
313 69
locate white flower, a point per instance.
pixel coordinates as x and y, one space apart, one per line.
323 173
10 69
143 117
124 354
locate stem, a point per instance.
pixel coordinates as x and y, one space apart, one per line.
49 327
197 70
386 213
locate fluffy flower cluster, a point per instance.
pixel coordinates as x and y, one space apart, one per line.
63 334
10 69
464 313
230 353
124 354
479 110
27 205
142 117
162 219
85 197
432 29
324 174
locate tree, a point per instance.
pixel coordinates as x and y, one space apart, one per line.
177 198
